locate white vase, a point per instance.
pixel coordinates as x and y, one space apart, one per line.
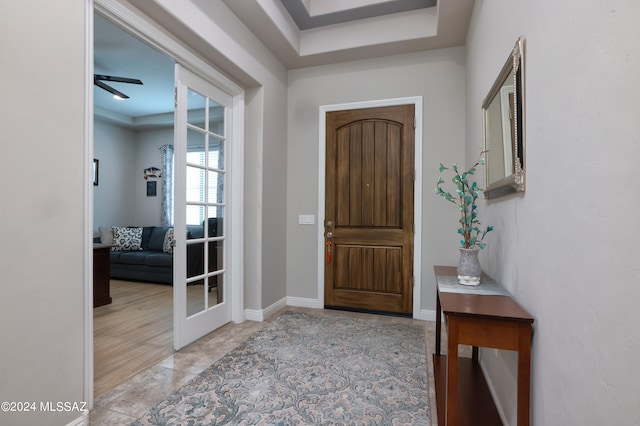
469 270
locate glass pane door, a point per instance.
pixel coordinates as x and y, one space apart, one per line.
201 194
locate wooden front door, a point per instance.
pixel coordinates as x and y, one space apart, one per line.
369 209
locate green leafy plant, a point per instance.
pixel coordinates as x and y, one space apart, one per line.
465 199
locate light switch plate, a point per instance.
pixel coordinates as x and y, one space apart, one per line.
306 219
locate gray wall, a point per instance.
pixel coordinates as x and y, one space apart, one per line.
121 199
438 76
148 142
566 248
44 175
113 198
274 193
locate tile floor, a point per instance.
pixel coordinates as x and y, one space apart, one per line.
133 398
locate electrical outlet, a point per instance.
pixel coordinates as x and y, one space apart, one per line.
306 219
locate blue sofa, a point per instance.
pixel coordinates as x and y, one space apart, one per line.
153 264
150 264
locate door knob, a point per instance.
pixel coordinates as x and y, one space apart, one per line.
329 234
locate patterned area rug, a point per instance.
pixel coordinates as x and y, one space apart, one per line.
307 368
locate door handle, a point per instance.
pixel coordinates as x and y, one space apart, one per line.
329 235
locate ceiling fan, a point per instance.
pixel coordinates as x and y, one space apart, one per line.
99 78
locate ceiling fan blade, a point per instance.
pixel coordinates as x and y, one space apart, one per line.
116 79
109 89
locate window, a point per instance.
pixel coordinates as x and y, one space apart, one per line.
197 181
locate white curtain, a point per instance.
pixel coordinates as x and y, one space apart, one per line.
166 216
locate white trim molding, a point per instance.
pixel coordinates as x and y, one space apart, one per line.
81 421
262 314
426 315
417 201
302 302
88 210
254 315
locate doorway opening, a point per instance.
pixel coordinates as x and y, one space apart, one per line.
133 324
218 89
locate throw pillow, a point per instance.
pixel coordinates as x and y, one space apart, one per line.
127 238
106 235
167 246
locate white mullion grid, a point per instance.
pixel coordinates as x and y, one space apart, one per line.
198 166
206 204
221 174
205 287
216 135
203 203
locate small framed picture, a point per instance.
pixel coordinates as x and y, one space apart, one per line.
151 188
96 164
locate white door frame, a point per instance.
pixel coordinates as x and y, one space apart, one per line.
417 196
139 25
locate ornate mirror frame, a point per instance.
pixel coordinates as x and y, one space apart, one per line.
503 125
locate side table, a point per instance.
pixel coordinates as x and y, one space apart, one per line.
483 316
101 275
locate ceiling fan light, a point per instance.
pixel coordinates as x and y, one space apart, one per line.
98 81
119 98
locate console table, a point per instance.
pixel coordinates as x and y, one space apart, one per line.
482 316
101 274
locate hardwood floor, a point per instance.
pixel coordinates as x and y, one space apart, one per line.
132 333
136 330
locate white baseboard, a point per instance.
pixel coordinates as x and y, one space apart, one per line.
82 420
427 315
280 304
301 302
253 315
262 314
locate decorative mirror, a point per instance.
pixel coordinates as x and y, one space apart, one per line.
503 120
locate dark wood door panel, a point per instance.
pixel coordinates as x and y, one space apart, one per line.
373 302
397 114
368 268
368 164
368 236
369 209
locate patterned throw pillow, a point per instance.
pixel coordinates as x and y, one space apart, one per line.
127 239
167 246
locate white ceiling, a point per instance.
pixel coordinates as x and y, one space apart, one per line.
117 53
300 33
349 30
313 13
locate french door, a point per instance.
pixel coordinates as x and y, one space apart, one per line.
201 182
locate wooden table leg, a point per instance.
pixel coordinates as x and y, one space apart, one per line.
452 371
524 374
438 323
